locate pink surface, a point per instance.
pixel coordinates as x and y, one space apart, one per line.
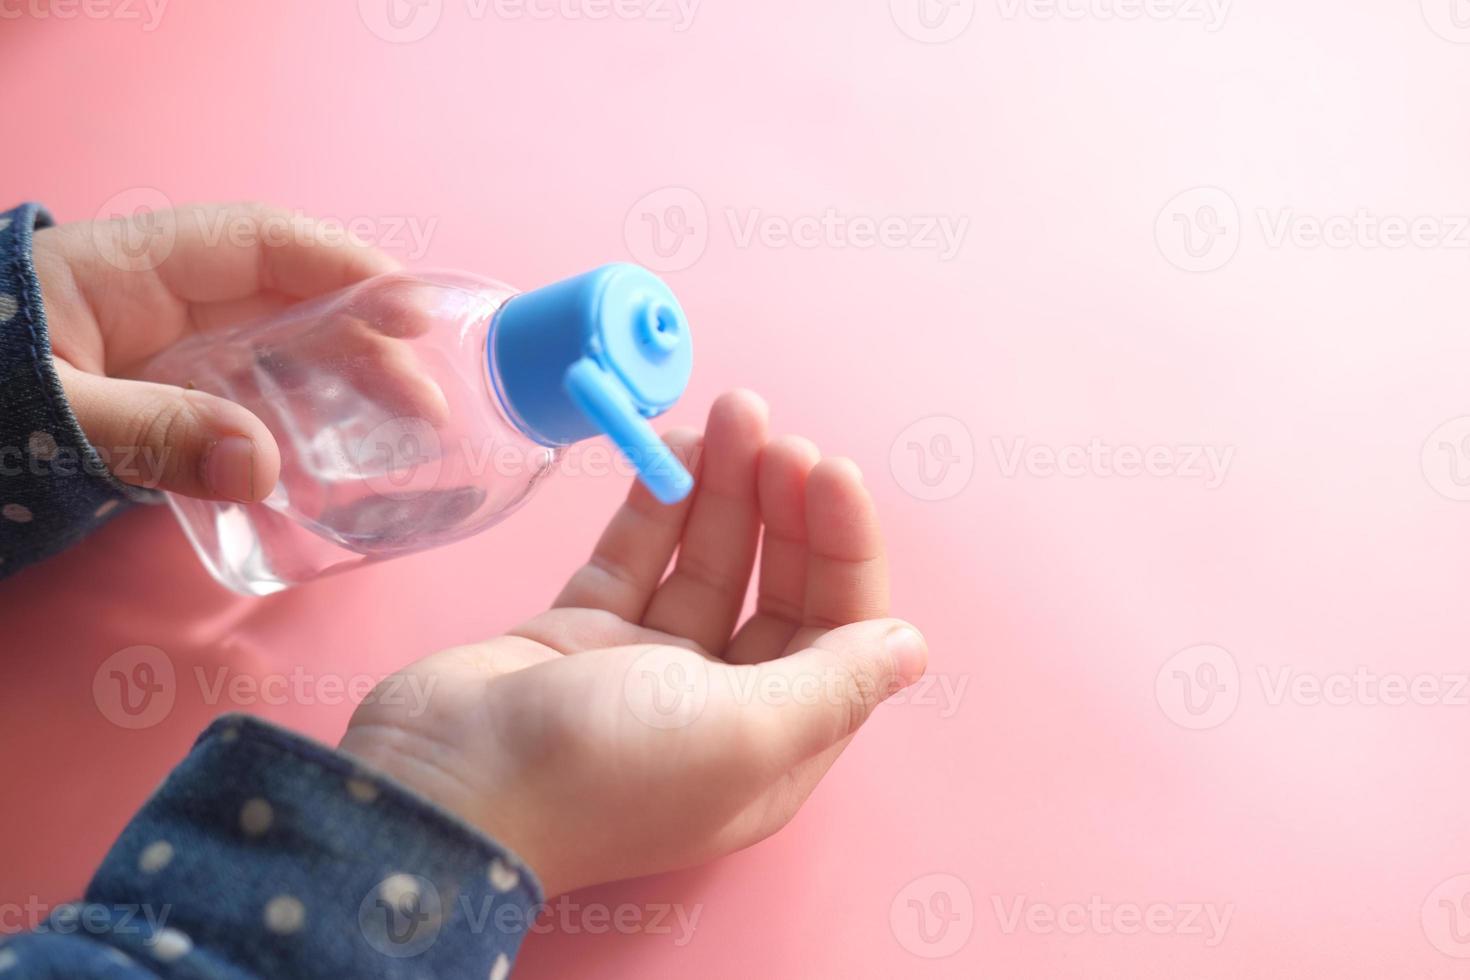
1123 734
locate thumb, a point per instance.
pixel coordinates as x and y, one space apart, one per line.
835 684
167 438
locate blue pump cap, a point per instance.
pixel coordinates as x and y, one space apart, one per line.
600 353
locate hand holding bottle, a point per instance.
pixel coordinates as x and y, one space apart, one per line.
115 297
634 728
311 409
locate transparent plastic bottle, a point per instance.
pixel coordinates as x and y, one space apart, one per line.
415 409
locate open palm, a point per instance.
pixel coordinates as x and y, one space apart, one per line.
638 725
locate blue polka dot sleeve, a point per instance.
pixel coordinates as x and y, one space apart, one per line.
265 855
54 486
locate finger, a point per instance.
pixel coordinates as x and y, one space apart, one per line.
152 279
406 311
168 438
409 309
781 485
847 580
231 251
703 596
634 551
846 572
833 686
207 317
388 367
386 370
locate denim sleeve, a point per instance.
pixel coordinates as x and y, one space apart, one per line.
265 855
55 487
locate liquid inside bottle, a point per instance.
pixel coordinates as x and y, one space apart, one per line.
414 410
391 434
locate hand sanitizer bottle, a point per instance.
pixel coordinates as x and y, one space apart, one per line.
414 410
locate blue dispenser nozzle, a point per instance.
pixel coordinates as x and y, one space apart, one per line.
602 352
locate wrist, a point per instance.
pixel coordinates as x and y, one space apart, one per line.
421 765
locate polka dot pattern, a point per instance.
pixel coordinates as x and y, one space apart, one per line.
361 790
41 445
342 820
502 876
400 891
155 857
19 513
285 915
169 944
256 817
51 490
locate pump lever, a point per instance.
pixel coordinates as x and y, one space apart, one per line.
606 403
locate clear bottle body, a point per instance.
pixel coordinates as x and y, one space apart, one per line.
393 438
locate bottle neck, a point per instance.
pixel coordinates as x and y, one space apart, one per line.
494 382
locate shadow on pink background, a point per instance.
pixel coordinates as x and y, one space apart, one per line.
1205 720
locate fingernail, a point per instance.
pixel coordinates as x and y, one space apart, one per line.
909 652
229 469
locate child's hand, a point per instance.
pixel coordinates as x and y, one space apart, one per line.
115 297
632 729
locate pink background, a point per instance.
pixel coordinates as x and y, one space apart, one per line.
1044 764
